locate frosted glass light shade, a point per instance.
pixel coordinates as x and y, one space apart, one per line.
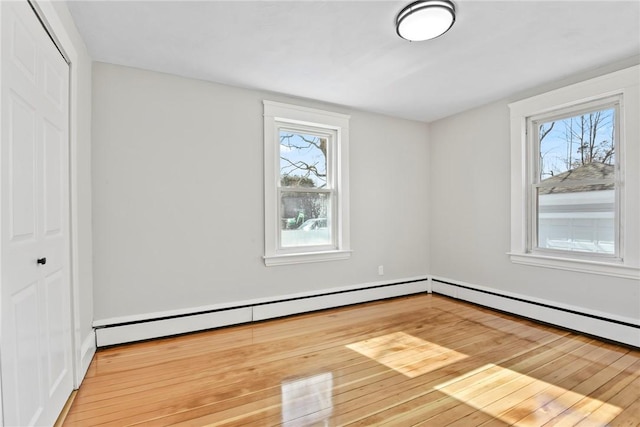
425 20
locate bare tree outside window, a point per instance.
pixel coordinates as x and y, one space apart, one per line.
303 157
576 141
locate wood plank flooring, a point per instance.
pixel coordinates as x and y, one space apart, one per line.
424 360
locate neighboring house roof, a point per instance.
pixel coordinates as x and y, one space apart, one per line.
590 171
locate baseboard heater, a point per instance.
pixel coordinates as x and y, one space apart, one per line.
118 332
624 331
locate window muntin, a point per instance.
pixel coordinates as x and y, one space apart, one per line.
574 185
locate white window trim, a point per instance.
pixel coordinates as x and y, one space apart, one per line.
625 83
276 114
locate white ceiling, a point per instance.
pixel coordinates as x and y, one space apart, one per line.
347 52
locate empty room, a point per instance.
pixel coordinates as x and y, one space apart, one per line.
320 213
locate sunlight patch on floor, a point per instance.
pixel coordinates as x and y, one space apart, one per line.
518 399
406 354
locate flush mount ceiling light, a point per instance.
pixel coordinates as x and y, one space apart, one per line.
425 20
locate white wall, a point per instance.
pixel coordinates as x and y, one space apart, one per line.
178 197
470 219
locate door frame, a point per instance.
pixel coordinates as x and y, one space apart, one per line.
63 41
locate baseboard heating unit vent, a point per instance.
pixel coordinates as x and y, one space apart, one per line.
156 325
614 328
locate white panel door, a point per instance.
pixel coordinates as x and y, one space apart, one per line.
36 340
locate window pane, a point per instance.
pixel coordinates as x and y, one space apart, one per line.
577 219
306 219
303 160
574 213
567 144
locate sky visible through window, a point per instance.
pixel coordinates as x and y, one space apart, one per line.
575 141
302 160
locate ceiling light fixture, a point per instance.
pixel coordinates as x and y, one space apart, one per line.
425 20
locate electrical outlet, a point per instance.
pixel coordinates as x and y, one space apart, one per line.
381 270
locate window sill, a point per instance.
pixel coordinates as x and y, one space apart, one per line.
605 269
303 258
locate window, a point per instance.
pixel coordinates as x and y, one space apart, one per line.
574 177
306 184
574 181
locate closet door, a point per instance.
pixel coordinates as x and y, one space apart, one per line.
35 291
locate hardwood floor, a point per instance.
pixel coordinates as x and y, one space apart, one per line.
424 360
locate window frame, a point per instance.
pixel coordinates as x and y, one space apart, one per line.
330 189
624 84
335 126
534 183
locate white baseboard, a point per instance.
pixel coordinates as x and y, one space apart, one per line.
604 325
87 351
142 327
119 334
84 356
285 308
